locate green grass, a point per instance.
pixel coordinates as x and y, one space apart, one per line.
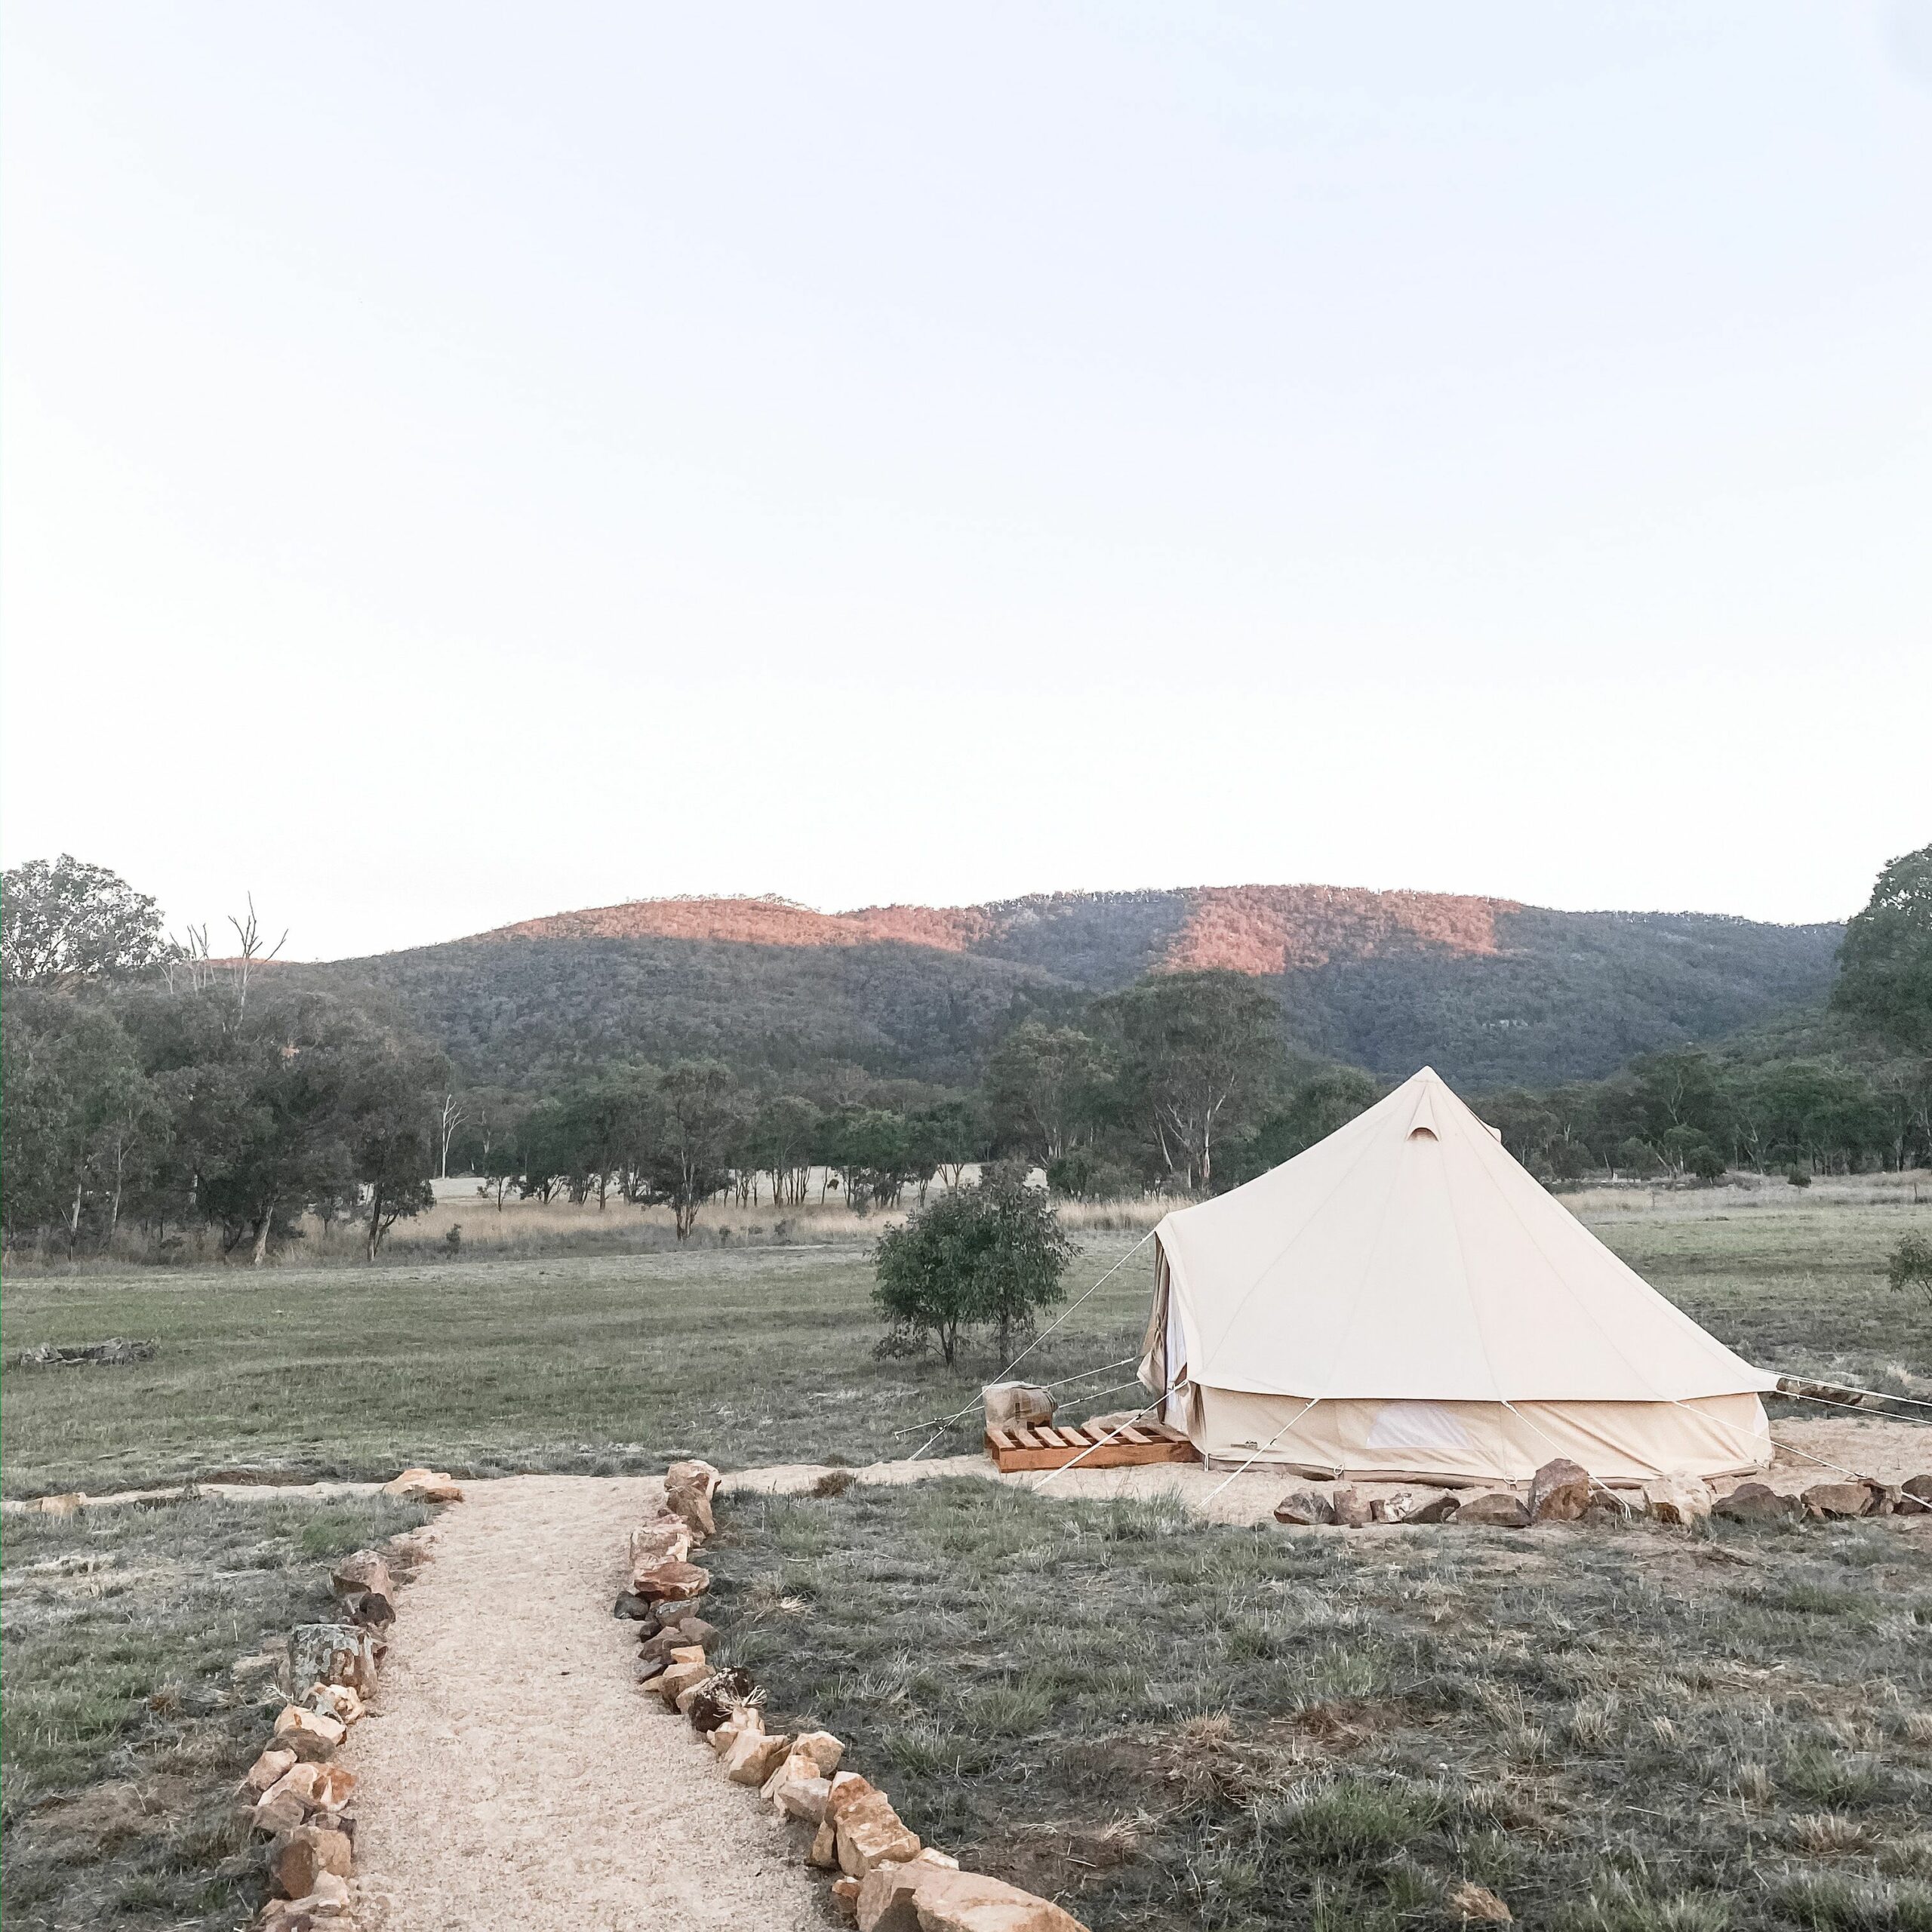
613 1363
602 1364
1161 1721
127 1725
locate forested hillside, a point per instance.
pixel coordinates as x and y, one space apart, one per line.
1491 993
666 1054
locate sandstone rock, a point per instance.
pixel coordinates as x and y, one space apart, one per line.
362 1585
338 1701
425 1486
1496 1510
753 1756
652 1547
305 1855
303 1789
277 1811
1352 1508
747 1717
1473 1903
884 1897
1919 1488
1441 1505
695 1630
869 1833
1559 1491
678 1677
1839 1499
1757 1502
886 1893
269 1768
671 1583
823 1749
688 1488
824 1852
1900 1501
666 1539
797 1789
845 1899
308 1733
333 1653
967 1902
848 1788
1016 1404
669 1638
1678 1499
1304 1508
651 1667
326 1907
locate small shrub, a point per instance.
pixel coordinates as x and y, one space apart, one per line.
1909 1265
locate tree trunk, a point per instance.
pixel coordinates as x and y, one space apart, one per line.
263 1231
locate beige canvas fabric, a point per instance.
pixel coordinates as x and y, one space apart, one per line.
1403 1299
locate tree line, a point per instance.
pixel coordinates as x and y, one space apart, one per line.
149 1085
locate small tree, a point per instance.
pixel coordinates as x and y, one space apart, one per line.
1026 1254
926 1281
393 1137
1910 1265
697 1122
993 1254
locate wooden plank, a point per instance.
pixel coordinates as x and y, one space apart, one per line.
1050 1436
1000 1439
1130 1434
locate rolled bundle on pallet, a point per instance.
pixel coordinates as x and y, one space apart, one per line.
1016 1404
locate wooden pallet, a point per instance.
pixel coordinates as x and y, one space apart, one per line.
1042 1447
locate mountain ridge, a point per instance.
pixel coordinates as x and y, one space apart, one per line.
1492 991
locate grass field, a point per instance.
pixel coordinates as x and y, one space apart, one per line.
615 1362
1175 1722
127 1725
1160 1722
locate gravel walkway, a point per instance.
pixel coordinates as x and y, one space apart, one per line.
513 1774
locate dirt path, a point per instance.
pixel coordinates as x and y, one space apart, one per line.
515 1776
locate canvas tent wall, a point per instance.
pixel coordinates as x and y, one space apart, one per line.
1403 1300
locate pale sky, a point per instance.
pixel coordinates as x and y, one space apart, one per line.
465 461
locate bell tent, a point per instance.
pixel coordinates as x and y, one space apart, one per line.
1403 1301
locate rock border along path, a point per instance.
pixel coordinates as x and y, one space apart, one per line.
513 1776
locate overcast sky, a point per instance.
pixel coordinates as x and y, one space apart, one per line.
465 461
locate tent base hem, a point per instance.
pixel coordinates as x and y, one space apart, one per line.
1457 1444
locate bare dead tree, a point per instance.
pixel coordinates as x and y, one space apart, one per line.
190 959
449 1117
250 934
